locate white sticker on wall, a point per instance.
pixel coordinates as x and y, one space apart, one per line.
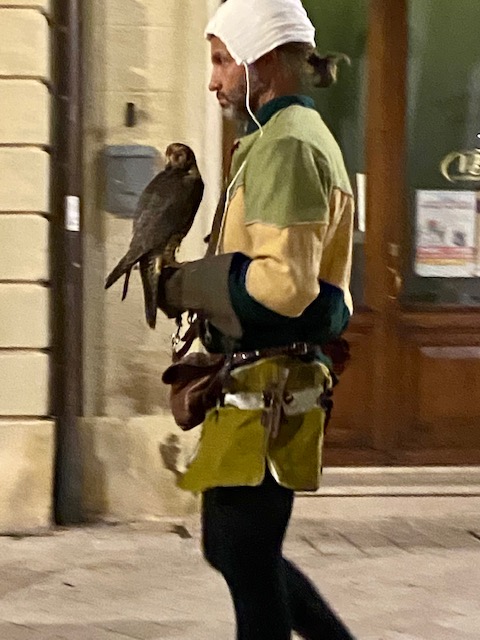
72 213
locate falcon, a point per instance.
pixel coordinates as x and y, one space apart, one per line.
164 215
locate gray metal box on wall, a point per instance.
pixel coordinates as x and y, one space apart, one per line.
128 168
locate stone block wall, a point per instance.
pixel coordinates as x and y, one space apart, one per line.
26 432
151 53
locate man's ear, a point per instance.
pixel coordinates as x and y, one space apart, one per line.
268 60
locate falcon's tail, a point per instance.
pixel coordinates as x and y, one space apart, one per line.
150 274
125 284
123 267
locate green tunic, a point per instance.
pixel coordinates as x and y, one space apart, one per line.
290 215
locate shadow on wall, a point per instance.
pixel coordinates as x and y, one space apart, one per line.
130 468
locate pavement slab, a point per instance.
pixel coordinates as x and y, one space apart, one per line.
393 578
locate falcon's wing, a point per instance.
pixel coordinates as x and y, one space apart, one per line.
166 208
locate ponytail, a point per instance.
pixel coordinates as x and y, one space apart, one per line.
307 64
325 70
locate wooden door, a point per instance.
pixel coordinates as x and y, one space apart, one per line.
412 393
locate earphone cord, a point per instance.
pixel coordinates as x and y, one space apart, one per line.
250 112
237 175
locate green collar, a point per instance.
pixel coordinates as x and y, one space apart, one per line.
269 109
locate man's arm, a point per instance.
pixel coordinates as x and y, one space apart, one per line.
287 201
323 320
216 287
287 214
284 273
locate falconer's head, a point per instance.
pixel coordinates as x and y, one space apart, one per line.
259 51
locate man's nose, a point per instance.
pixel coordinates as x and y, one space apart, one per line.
214 84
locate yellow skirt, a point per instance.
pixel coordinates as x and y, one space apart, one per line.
235 447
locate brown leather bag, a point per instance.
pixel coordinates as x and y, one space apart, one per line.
196 385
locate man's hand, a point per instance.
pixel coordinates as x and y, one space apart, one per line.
201 286
168 285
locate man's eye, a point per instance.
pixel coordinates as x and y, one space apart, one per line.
221 61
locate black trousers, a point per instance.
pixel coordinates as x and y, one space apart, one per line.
243 532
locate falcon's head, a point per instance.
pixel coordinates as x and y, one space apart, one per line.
179 156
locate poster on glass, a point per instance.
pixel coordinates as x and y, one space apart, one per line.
447 242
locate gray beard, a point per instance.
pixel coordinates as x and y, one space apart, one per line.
234 114
238 112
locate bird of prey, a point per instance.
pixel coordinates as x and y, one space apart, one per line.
164 215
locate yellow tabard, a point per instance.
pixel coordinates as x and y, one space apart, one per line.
235 446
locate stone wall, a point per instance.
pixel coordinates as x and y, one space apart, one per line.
26 433
153 54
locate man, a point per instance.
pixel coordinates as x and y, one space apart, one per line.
275 291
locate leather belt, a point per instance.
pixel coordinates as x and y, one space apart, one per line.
302 350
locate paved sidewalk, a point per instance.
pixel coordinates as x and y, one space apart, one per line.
400 578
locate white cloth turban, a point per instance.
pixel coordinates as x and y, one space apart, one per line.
251 28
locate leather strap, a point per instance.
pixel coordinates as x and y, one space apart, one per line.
217 225
188 339
220 210
295 350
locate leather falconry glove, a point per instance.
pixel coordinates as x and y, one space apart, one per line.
201 287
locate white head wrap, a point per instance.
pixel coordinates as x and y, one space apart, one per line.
251 28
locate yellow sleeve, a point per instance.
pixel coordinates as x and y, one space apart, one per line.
284 272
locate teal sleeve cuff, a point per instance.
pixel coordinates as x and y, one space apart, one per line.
324 320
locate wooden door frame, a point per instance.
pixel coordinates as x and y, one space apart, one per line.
386 204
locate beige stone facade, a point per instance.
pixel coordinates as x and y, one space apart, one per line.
153 54
26 432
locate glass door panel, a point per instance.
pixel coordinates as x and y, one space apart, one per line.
443 169
342 27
